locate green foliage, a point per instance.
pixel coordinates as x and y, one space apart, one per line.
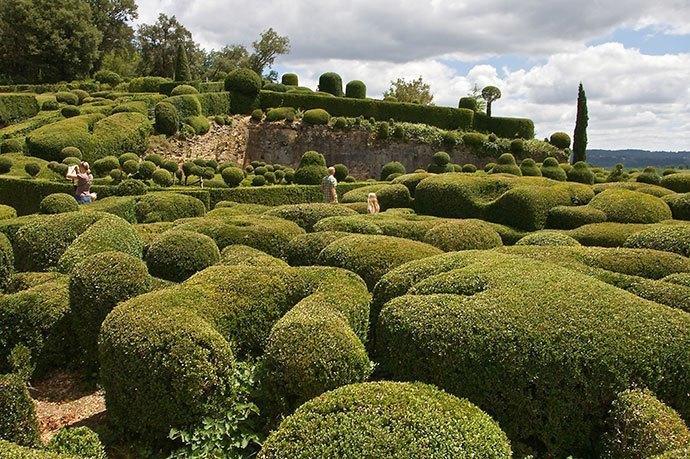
529 168
20 362
68 98
146 84
316 116
387 419
508 128
581 173
107 77
463 235
131 187
679 204
356 89
414 92
280 114
182 72
669 238
244 86
469 103
77 441
640 425
581 122
235 435
505 164
5 165
490 94
18 423
187 105
552 170
307 215
176 255
680 182
33 169
393 167
290 79
304 250
200 124
162 177
167 207
625 206
560 140
570 217
331 83
17 107
58 203
145 170
548 238
341 172
103 166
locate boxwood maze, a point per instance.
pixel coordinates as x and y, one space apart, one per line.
167 356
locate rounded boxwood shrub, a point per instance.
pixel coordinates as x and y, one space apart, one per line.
551 169
387 419
560 140
669 238
178 254
440 158
470 168
258 180
627 206
200 124
316 116
371 256
58 203
33 169
469 103
232 176
290 79
163 178
312 158
7 212
680 182
341 172
505 164
529 168
68 111
130 167
5 165
131 187
679 204
311 170
356 90
243 81
145 169
547 238
307 215
331 83
167 207
552 366
168 356
463 235
167 118
97 284
581 173
304 250
103 166
473 139
243 255
570 217
15 145
123 158
18 423
77 442
280 114
393 167
649 175
348 225
68 98
183 89
640 425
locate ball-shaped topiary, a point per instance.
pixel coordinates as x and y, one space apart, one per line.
77 442
68 98
167 118
243 81
103 166
441 158
469 168
131 187
570 217
669 238
529 168
290 79
551 169
58 203
625 206
123 158
68 111
232 176
560 140
463 235
183 89
680 182
117 175
131 166
316 116
177 254
581 173
356 90
387 419
473 140
517 147
547 238
155 158
341 172
505 164
331 83
162 177
145 170
258 180
640 425
649 175
96 286
70 152
469 103
33 169
392 167
312 158
5 165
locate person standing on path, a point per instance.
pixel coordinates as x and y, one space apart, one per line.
81 175
328 185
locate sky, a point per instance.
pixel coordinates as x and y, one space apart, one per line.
632 56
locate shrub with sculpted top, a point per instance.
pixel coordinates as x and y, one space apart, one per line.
331 83
680 182
18 421
552 170
560 140
626 206
316 116
463 235
58 203
505 164
177 254
307 215
581 173
356 90
547 238
387 419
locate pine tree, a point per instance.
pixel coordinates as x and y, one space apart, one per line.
580 135
182 72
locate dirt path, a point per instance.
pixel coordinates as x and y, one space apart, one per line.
63 399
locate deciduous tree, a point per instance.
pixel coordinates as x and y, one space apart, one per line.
414 91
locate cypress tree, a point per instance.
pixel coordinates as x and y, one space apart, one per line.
182 72
580 135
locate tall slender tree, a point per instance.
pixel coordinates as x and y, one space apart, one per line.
182 72
580 134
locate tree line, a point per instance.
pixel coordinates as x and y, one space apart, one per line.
44 41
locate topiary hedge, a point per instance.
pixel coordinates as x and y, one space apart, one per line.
79 442
508 128
17 107
331 83
679 204
307 215
560 345
96 286
167 118
548 238
626 206
244 86
569 217
463 235
356 90
387 419
560 140
529 168
18 423
316 116
640 425
95 135
304 250
505 164
552 170
167 357
58 203
581 173
669 238
243 255
680 182
178 254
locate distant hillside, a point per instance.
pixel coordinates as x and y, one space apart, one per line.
638 158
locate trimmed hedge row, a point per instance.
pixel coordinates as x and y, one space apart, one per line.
16 107
441 117
509 128
167 357
387 420
307 215
275 195
95 135
544 357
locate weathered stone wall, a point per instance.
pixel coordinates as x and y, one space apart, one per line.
363 155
